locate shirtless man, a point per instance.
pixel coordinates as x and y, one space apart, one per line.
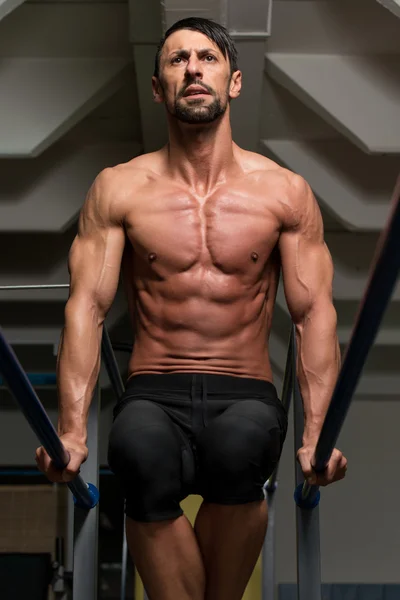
201 229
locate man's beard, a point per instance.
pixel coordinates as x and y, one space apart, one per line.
197 112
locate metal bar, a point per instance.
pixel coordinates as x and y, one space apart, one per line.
380 286
86 524
68 533
118 385
32 408
307 521
223 12
268 552
111 364
124 561
69 536
249 35
46 286
287 390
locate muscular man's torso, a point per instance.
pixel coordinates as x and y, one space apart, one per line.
201 272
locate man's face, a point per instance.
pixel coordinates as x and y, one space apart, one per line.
195 79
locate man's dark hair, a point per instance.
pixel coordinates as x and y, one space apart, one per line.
214 31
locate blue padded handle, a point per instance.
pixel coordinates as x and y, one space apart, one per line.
312 498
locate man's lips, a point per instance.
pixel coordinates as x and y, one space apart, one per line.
195 91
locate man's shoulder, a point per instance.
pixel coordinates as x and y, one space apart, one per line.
288 192
134 173
115 188
270 170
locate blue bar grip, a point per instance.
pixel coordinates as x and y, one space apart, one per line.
85 496
307 497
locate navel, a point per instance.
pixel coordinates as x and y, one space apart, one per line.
254 256
152 257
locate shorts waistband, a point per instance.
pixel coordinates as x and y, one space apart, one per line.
215 382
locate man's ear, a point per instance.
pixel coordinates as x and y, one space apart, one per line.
158 95
235 85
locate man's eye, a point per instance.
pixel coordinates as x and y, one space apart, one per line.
210 56
176 58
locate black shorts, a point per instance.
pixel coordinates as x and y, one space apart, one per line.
177 434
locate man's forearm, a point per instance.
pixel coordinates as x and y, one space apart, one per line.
78 366
318 365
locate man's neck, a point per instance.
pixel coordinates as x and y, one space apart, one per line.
201 157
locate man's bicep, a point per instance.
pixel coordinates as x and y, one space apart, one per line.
307 266
95 257
307 273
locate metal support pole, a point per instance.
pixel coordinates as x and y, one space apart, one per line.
69 539
124 560
111 364
287 392
46 286
268 553
307 521
118 386
86 524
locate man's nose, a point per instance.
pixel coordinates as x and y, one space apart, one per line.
194 67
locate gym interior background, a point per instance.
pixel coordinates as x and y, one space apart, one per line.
321 96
